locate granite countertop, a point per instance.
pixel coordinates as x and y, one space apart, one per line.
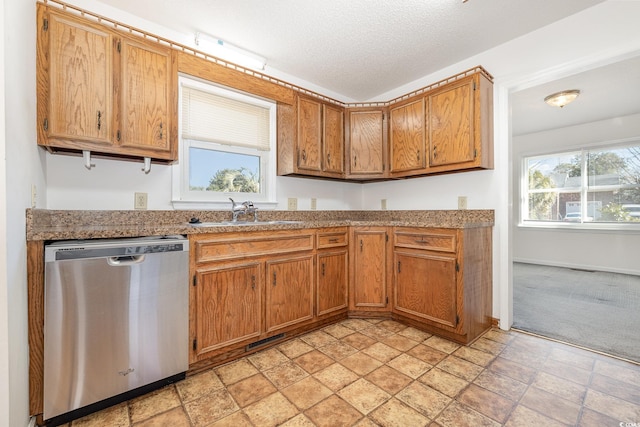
43 224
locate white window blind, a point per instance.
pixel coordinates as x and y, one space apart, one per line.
210 117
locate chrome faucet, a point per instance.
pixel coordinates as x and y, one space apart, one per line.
244 208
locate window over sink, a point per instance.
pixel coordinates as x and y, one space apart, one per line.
226 147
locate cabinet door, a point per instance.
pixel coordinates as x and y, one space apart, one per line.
74 95
451 124
146 98
366 144
331 291
333 139
425 286
407 143
309 134
369 272
289 291
228 305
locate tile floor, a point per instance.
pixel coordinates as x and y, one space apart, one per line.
379 372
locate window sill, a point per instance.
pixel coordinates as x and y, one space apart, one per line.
583 227
221 205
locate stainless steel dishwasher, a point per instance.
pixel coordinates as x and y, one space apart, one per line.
116 321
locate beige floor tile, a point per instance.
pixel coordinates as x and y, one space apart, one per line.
409 365
560 387
237 419
355 324
525 417
306 393
366 422
364 396
268 359
153 403
313 361
376 332
550 405
361 363
428 354
392 326
236 371
487 345
589 418
399 342
628 373
333 412
338 350
381 352
501 384
285 375
211 407
115 416
498 335
394 413
299 420
612 406
443 382
460 368
338 331
294 348
357 340
317 339
568 372
198 385
414 334
457 414
175 417
336 376
389 379
616 388
441 344
487 402
271 411
574 356
474 356
250 390
513 370
424 399
524 357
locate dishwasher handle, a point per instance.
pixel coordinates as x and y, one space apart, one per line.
119 261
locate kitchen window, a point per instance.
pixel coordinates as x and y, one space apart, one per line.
583 187
226 148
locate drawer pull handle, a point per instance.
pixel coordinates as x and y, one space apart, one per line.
99 120
422 241
333 240
274 278
323 268
399 266
253 282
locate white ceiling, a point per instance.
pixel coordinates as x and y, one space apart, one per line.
605 92
357 48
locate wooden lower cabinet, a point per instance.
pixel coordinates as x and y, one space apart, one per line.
369 282
332 282
288 292
442 280
225 294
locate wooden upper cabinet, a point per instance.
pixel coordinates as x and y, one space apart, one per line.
75 95
367 144
103 91
407 138
311 138
460 125
147 81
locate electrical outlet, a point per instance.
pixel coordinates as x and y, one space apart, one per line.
292 204
383 204
314 204
140 201
462 202
34 194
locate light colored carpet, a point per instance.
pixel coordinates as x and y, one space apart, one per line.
597 310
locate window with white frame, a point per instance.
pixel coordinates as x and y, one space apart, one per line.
595 185
226 147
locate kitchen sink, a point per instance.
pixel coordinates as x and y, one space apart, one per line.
241 223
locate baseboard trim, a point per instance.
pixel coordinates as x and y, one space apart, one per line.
577 266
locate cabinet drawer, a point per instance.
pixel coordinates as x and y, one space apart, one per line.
247 245
332 239
441 241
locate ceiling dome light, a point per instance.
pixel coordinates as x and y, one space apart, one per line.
560 99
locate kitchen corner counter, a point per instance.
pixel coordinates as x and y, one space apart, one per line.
43 224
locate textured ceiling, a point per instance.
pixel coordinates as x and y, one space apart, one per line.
358 49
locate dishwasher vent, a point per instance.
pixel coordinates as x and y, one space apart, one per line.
264 341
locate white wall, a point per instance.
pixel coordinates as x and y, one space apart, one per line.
606 250
601 32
